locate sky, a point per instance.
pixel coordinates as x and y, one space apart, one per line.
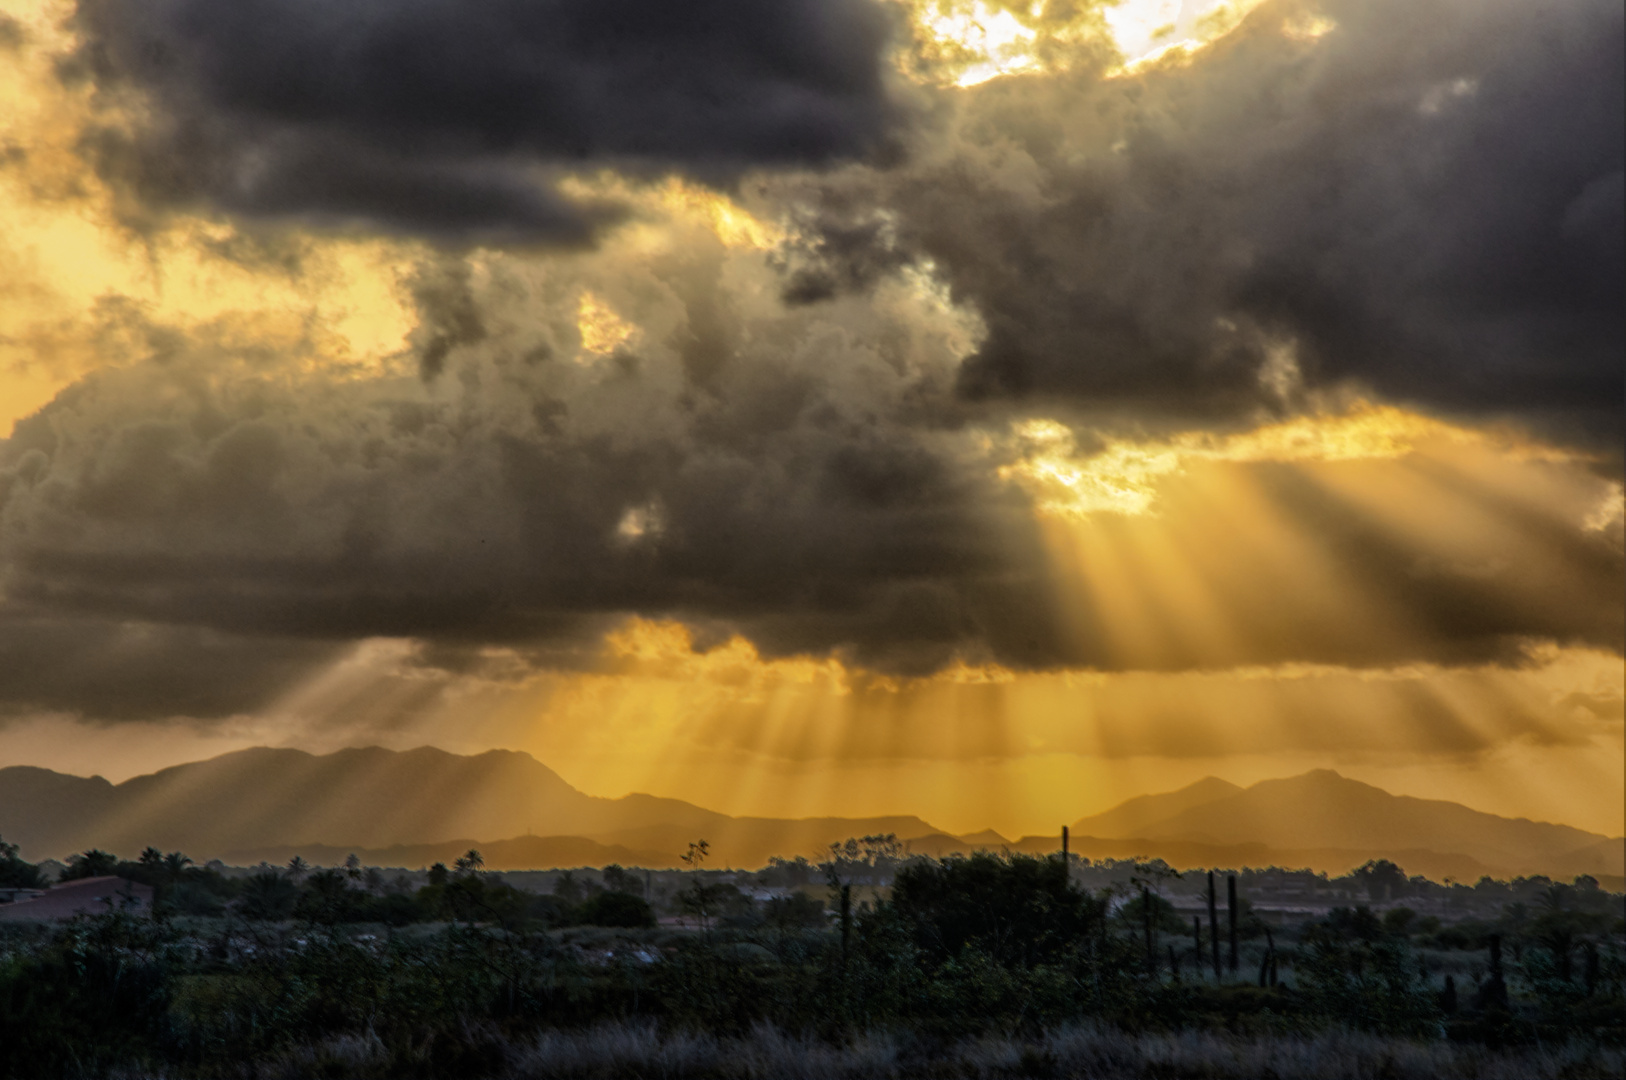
987 411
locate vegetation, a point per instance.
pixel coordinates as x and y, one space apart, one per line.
967 966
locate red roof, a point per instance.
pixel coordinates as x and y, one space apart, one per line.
89 896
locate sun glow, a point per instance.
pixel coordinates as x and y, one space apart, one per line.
602 330
973 41
1123 476
725 727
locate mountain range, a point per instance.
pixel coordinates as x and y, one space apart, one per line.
420 806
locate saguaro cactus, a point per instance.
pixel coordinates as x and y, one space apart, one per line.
1213 925
1230 910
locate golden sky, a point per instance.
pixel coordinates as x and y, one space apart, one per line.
984 411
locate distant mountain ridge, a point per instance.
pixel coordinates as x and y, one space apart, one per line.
1131 818
375 799
1321 810
408 808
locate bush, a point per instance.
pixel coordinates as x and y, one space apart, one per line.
615 909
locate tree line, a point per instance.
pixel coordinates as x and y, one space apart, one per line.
448 973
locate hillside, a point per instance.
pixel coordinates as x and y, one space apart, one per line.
1321 816
373 799
423 806
1131 818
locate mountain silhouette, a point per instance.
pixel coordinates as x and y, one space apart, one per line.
420 806
260 800
1131 818
1322 810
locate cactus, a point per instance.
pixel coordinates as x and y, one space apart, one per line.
1213 925
1230 908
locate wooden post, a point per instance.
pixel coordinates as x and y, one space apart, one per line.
1213 925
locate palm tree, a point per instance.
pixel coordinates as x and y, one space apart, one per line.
268 895
298 867
175 865
470 862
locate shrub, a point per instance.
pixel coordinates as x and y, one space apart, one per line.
615 909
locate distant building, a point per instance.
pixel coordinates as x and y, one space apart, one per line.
87 896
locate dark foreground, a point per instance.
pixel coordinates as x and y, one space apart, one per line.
977 967
1096 1053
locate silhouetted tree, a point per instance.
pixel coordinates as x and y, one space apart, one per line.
267 895
568 889
1382 880
1015 910
175 864
89 864
14 872
615 909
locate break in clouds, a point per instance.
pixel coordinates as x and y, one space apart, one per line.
1418 201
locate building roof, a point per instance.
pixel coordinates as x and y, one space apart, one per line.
86 896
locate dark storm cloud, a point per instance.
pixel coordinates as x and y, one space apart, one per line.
1427 200
492 505
531 497
438 118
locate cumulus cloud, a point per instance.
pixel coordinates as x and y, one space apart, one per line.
815 491
430 117
1423 199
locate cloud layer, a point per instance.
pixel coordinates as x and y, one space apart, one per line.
797 426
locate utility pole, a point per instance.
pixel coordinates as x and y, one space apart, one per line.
1213 925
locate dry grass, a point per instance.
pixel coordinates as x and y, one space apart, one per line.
624 1051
